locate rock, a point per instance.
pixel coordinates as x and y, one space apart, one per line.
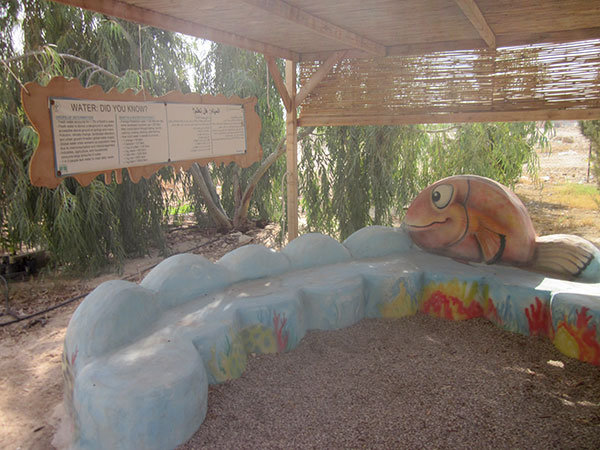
243 239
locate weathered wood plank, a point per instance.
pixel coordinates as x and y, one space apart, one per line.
473 13
136 14
319 26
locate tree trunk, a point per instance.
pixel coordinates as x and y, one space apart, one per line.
240 217
217 214
211 199
211 188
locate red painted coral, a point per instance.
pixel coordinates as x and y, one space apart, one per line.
450 307
282 338
539 319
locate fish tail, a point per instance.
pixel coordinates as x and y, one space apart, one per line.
567 257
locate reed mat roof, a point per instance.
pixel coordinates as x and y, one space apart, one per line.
407 59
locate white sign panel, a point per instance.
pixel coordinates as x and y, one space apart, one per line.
94 135
203 131
85 136
142 133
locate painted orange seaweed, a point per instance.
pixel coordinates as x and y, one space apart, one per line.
578 341
539 319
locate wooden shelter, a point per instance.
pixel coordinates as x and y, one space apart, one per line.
362 62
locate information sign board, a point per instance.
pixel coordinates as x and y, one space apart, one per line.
85 132
101 135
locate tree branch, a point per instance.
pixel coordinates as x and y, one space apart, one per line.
444 130
241 213
35 53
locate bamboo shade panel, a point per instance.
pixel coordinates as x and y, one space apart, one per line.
509 83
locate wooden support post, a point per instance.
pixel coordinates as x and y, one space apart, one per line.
291 131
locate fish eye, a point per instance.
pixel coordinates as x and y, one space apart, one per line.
442 195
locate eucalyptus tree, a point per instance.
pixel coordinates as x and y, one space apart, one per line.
84 227
257 191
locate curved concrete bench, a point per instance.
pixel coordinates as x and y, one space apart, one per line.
138 358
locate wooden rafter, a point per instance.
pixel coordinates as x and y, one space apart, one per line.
508 40
134 13
515 39
319 26
473 13
318 77
279 83
479 116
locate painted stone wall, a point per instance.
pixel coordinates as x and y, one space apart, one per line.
138 358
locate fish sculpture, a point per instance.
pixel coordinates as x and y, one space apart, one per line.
476 219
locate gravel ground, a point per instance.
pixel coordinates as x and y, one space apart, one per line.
417 382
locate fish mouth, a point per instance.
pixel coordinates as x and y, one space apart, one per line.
431 224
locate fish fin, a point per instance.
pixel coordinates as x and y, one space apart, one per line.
490 235
562 256
492 244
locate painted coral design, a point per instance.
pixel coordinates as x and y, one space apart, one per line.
278 324
579 340
539 319
230 363
456 300
449 307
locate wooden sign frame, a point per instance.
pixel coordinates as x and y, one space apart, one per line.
36 102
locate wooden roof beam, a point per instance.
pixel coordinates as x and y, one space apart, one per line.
286 97
145 16
506 40
473 13
319 26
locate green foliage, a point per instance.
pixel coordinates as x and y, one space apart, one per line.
494 150
84 228
352 177
591 130
232 71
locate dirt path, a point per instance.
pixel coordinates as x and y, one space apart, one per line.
30 352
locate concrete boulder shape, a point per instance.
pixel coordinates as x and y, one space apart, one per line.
184 277
376 241
254 261
315 249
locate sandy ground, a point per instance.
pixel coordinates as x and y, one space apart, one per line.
30 351
416 382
